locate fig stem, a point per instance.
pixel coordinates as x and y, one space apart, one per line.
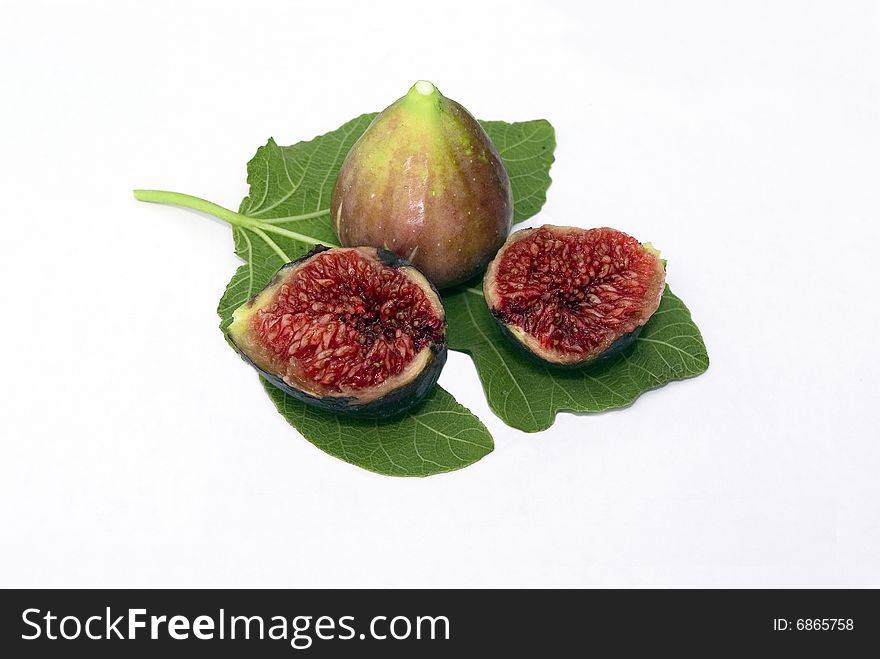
293 218
188 201
424 87
271 228
233 218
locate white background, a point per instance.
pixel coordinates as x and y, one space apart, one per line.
743 139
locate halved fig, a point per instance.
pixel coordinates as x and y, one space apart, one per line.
570 296
357 331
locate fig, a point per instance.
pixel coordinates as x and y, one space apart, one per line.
425 182
571 297
356 331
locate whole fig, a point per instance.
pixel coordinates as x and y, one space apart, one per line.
426 182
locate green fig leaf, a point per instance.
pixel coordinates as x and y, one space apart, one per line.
440 435
527 395
526 147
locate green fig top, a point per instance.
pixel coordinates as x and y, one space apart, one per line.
424 96
426 182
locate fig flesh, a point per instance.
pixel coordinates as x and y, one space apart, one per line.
357 331
426 182
571 297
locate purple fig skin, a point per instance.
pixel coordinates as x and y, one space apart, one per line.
426 182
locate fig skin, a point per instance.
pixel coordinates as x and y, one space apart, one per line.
615 349
426 182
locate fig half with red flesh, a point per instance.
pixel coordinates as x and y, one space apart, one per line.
356 331
571 296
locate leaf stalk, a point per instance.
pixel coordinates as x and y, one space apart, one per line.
231 217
